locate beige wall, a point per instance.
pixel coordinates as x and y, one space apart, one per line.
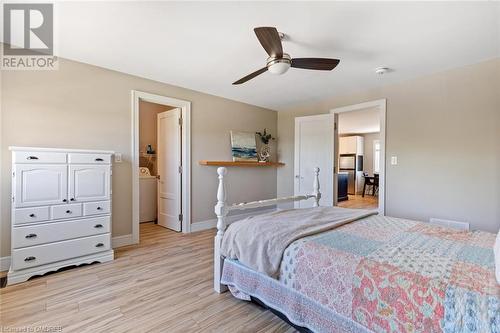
445 130
148 113
82 106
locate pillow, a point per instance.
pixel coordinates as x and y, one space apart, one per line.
496 249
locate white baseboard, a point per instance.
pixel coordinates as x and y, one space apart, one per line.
210 224
4 263
124 240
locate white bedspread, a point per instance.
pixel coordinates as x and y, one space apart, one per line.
259 241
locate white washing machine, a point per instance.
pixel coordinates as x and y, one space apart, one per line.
147 196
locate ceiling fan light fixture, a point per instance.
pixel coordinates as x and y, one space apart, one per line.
279 66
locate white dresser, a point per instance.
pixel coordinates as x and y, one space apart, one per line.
61 210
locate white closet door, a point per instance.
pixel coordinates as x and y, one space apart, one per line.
314 148
89 182
169 164
38 185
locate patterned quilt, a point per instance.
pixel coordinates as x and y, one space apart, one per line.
395 275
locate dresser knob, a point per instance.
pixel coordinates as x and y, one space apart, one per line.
99 160
64 200
72 199
99 245
32 215
29 258
31 236
31 158
98 226
68 212
99 208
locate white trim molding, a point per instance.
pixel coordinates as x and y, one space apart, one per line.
185 107
4 263
123 240
381 104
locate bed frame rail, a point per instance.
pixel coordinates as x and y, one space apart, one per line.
222 208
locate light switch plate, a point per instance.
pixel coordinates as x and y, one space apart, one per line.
394 160
118 157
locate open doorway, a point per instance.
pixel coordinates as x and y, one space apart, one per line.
359 142
160 143
161 162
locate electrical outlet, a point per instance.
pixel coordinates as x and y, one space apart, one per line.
394 160
118 157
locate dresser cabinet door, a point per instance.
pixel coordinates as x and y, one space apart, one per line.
39 185
89 182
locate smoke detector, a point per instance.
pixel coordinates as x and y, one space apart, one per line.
382 70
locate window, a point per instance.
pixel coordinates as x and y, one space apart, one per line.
376 156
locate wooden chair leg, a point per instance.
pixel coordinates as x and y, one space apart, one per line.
364 188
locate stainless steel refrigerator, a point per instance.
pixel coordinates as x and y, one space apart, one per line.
351 163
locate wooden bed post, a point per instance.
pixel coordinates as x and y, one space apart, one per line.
316 192
221 211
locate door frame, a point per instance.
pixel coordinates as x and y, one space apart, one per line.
381 104
296 154
185 107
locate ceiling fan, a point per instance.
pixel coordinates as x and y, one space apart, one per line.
278 61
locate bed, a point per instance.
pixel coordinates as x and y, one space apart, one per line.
359 272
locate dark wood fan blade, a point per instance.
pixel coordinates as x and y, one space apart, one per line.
270 41
250 76
322 64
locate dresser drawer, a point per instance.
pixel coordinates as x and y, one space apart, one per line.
38 157
65 211
94 208
48 253
79 158
59 231
29 215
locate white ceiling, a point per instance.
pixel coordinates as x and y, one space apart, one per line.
359 122
206 46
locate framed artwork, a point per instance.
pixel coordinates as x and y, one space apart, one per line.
243 146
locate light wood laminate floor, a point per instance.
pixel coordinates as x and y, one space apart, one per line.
359 202
164 284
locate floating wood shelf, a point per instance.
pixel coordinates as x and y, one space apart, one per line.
242 164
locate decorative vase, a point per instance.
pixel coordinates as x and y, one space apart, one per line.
264 153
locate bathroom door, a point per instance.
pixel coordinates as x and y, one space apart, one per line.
169 143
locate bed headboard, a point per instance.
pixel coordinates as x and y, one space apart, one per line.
222 208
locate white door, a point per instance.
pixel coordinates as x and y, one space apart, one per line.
38 185
314 147
89 182
169 169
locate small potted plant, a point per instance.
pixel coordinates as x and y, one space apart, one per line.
265 150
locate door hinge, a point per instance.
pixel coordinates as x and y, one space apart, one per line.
180 121
13 174
180 217
180 168
335 126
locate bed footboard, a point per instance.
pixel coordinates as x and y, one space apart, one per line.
222 209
